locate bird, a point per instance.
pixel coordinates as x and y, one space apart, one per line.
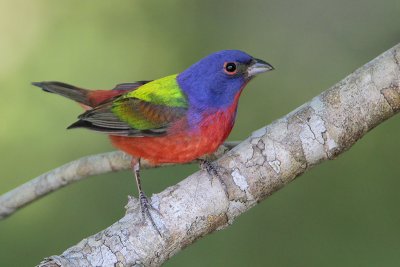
175 119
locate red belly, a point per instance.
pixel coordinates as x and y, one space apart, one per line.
179 146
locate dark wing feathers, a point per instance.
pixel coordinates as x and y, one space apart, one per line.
148 110
152 119
129 86
107 130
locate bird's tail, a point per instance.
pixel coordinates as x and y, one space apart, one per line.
88 98
69 91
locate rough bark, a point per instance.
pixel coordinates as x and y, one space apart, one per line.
72 172
271 157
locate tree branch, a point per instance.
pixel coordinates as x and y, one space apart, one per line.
271 157
72 172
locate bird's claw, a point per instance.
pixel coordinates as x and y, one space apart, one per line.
214 171
145 207
211 168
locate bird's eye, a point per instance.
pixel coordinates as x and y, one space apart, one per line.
230 68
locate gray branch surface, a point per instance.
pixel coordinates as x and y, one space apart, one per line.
270 158
72 172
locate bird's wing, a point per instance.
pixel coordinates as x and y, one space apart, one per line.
146 111
129 86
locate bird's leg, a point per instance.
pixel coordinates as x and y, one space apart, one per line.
144 202
210 167
213 171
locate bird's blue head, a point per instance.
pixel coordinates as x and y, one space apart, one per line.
215 81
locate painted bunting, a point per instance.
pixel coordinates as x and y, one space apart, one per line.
175 119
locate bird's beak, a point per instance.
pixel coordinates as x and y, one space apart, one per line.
258 66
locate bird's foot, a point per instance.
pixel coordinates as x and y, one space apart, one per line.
212 169
145 207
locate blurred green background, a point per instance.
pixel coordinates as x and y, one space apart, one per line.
342 213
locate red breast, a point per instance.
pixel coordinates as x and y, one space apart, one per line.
181 145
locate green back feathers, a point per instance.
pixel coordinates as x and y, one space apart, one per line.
153 105
146 111
164 91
